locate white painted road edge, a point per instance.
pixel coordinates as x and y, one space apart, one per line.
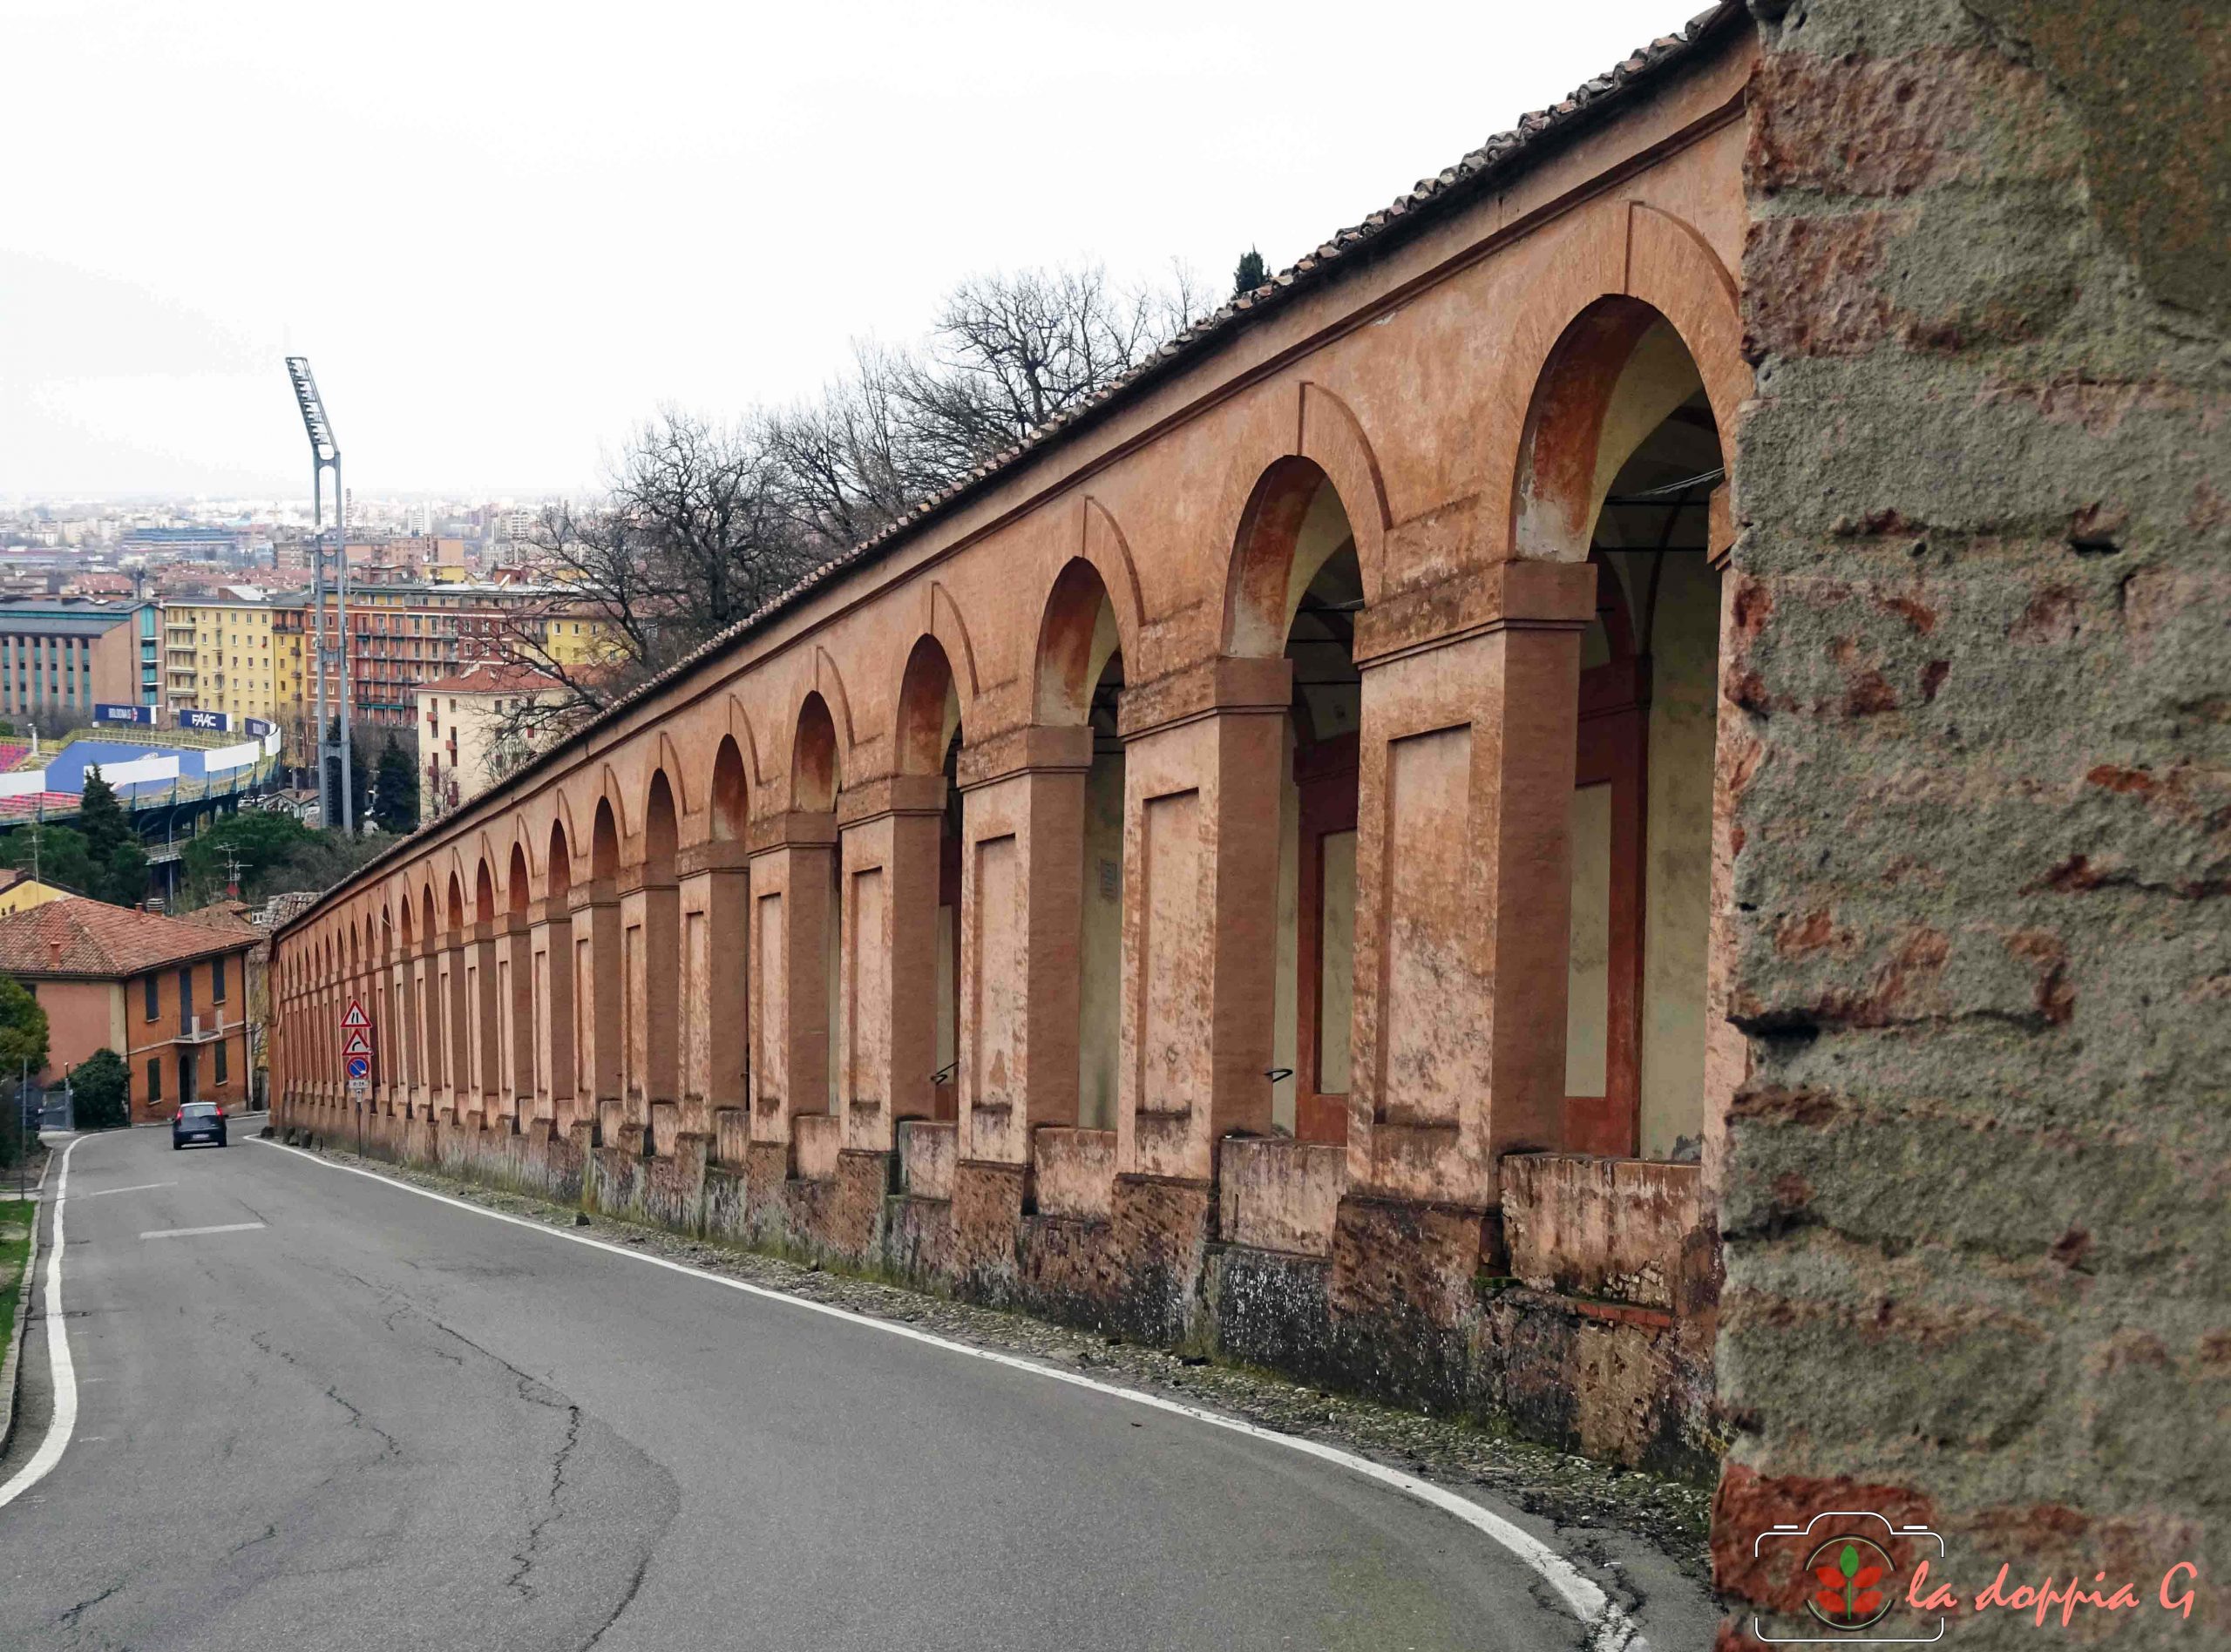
1610 1628
60 1425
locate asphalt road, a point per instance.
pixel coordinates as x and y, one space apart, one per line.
377 1421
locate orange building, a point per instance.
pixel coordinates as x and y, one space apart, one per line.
168 996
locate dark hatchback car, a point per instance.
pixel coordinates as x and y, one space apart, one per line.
198 1121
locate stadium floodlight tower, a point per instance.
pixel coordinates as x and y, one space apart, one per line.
325 454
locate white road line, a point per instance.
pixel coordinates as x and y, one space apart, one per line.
137 1187
188 1233
64 1419
1610 1628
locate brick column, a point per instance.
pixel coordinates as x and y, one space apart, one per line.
550 945
1200 914
791 863
888 973
650 966
596 1008
716 974
1463 877
1021 892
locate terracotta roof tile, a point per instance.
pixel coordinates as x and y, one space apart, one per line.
78 937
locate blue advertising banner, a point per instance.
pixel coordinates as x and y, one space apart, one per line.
257 727
218 721
145 716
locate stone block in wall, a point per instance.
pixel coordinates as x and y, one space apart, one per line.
1395 1261
674 1183
665 1124
1161 1229
987 1219
1614 1229
918 1237
819 1137
766 1169
1074 1173
847 1219
611 1118
1279 1194
620 1178
927 1152
731 1135
723 1210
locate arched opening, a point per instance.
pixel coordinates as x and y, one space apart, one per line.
552 989
483 895
389 1038
457 1008
1296 588
558 863
816 778
1624 456
716 953
597 987
731 813
430 1009
515 992
929 743
604 843
659 831
813 759
1079 681
650 954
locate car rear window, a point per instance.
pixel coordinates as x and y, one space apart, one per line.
198 1110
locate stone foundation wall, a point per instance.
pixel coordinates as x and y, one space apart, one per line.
1976 1250
1401 1304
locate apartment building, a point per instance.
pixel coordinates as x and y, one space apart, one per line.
403 636
61 655
170 997
462 747
218 654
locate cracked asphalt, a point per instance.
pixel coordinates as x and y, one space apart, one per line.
381 1422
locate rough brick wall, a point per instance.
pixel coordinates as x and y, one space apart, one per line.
1978 1241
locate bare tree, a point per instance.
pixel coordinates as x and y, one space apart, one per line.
1010 352
702 524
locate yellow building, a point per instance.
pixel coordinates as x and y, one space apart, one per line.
20 891
219 655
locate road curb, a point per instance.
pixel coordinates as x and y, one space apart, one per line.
12 1365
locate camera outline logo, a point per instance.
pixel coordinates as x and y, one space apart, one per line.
1851 1580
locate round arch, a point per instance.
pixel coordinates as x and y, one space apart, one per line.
1078 632
929 709
816 773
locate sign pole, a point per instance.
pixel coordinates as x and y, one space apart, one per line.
357 1061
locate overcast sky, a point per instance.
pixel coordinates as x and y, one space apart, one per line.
504 233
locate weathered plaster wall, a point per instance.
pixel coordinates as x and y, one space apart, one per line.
1977 1258
1684 670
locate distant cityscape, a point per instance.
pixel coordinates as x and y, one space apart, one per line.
205 606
